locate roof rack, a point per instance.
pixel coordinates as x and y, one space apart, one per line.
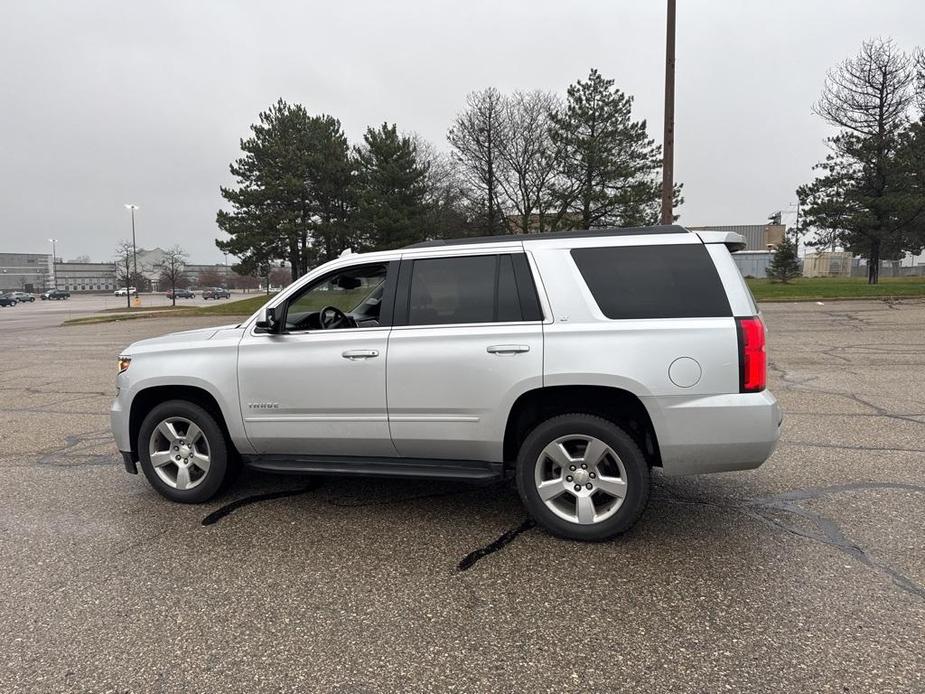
574 234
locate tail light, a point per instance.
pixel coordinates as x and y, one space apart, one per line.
753 359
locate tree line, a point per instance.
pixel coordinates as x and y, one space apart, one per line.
517 163
869 194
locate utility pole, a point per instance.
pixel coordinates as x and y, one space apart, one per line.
668 148
133 207
54 270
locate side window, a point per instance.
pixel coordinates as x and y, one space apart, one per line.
466 289
673 281
508 301
357 292
452 290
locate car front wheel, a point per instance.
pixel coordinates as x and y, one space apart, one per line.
582 477
182 451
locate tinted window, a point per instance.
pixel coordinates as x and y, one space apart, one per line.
471 289
508 301
653 281
452 290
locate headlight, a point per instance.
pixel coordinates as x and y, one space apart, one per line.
124 363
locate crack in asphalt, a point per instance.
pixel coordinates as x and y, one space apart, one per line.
883 412
850 447
74 445
357 502
829 532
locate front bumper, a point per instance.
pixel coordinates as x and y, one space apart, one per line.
716 433
128 459
119 423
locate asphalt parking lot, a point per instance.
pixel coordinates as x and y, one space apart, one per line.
806 575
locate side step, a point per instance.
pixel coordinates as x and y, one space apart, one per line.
420 468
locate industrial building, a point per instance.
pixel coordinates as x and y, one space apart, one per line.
85 277
25 272
760 242
35 272
758 237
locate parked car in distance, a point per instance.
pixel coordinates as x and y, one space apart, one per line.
8 300
56 294
572 362
180 294
123 291
216 293
22 297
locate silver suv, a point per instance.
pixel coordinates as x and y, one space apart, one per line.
574 362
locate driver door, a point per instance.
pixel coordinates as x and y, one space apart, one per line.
318 387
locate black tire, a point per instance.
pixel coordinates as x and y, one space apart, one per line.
220 466
637 475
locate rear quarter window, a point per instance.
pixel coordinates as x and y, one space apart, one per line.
674 281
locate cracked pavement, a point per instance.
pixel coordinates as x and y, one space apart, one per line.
807 574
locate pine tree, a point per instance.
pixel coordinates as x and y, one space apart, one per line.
292 198
785 265
390 190
608 165
869 197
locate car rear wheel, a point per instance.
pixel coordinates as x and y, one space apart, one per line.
183 452
582 477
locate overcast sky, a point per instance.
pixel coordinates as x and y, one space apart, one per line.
103 103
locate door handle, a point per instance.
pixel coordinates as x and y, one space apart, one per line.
354 354
508 349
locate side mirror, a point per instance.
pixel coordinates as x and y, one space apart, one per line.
269 321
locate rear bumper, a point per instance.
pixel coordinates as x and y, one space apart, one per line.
715 433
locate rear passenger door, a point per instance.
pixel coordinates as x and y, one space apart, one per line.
467 340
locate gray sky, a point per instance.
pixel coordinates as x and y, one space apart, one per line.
103 103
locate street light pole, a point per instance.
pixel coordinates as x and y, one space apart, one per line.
54 270
133 207
668 151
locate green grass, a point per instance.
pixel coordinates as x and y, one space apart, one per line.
818 288
241 308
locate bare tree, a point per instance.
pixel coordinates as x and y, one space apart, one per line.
477 135
123 262
244 282
920 81
870 94
445 194
529 158
279 277
172 270
211 278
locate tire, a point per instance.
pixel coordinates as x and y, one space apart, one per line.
617 467
165 473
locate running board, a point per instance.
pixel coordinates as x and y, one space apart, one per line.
418 468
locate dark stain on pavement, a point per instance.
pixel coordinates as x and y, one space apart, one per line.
501 542
227 509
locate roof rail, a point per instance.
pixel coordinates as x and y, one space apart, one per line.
573 234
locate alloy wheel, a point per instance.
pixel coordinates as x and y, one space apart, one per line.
179 453
580 479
